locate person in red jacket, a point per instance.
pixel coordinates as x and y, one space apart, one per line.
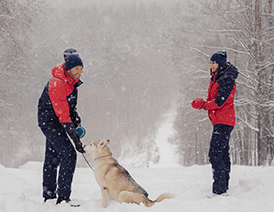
58 120
221 112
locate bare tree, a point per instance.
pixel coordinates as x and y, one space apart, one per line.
244 29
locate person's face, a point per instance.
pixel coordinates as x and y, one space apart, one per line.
76 72
213 66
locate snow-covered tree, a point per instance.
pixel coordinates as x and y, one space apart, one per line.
15 23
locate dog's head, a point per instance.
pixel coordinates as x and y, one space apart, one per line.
98 148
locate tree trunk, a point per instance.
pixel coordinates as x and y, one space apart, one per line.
262 144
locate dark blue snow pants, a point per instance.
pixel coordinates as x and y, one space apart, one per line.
59 152
219 157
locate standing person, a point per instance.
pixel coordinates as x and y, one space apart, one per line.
221 112
58 119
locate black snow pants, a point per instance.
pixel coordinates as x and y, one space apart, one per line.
59 152
219 157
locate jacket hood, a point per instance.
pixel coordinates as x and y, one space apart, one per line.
229 69
60 72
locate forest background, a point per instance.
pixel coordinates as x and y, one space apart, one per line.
141 60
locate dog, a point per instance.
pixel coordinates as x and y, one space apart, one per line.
114 180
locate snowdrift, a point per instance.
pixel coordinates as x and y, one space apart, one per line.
251 189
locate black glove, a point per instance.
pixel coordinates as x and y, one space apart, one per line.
76 120
78 144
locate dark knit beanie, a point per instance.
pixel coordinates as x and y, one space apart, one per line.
70 52
73 61
219 58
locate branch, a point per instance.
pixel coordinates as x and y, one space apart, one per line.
226 48
6 16
270 134
247 124
197 50
268 64
247 111
13 62
247 86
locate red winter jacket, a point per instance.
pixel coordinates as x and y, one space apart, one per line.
58 101
221 92
60 87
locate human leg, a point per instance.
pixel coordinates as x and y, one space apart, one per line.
51 163
219 157
227 167
66 158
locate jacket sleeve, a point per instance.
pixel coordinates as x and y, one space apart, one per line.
70 130
224 90
57 95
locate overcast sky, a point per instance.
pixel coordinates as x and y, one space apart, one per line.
73 3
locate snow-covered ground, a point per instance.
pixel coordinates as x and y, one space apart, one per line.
164 133
251 190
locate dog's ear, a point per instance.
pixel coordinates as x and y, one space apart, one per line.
103 143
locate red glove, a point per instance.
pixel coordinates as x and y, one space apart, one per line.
203 106
211 105
198 103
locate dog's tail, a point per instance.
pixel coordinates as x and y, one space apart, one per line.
149 203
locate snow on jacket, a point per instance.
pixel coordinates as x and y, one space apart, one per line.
58 102
221 92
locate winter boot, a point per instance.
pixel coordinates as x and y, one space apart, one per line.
61 199
67 200
49 198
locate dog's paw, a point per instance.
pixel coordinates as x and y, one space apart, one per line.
104 205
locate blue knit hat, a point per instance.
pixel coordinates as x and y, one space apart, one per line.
70 52
72 59
219 58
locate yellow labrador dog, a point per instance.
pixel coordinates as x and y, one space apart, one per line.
114 180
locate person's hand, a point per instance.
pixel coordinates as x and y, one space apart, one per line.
75 118
203 106
198 103
78 144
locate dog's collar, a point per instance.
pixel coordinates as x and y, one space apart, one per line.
102 157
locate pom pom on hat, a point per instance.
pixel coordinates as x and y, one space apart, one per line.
70 52
219 58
